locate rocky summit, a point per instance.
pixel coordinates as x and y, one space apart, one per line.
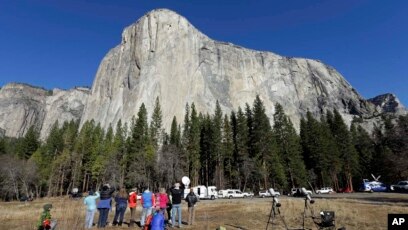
162 55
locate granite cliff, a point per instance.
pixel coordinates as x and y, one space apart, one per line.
23 105
162 55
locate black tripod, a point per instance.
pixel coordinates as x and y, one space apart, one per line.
305 209
274 213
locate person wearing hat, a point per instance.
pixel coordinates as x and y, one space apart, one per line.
132 205
90 202
45 220
176 196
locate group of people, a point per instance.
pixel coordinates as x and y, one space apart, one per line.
154 207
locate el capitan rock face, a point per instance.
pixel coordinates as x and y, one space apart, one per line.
162 55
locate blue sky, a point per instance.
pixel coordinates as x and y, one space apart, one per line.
61 43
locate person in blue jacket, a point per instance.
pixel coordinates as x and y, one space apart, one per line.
158 221
90 202
148 201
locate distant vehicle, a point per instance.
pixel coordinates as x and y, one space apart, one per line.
344 190
297 192
222 193
248 194
233 193
267 193
401 186
373 186
325 190
205 193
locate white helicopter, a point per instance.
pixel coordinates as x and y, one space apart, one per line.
373 186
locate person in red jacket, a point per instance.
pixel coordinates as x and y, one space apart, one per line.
163 200
132 205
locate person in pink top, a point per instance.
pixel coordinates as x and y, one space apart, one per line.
163 200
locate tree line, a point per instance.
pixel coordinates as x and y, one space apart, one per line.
238 150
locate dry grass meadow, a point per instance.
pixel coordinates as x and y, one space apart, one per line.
233 214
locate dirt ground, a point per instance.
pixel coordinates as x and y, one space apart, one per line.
354 211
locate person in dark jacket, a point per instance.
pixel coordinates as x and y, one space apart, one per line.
121 200
104 205
169 206
176 196
191 200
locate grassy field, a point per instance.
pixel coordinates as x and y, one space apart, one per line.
232 214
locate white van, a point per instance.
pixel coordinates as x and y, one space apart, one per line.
202 192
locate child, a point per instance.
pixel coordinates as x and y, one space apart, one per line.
158 221
90 202
45 221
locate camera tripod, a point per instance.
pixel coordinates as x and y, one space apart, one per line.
275 212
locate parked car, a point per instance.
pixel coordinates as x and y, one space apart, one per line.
233 193
373 186
267 193
325 190
248 194
401 186
297 192
223 193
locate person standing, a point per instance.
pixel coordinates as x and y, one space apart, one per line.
90 202
104 205
169 206
191 199
121 200
163 200
132 205
176 196
148 202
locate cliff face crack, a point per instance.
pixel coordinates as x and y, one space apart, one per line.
149 28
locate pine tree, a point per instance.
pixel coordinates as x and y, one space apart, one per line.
207 158
193 146
217 146
156 125
260 140
175 138
227 151
29 143
345 146
241 155
289 147
139 158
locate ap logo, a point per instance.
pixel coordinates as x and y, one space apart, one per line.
397 221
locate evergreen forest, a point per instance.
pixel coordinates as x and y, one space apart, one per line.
241 150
